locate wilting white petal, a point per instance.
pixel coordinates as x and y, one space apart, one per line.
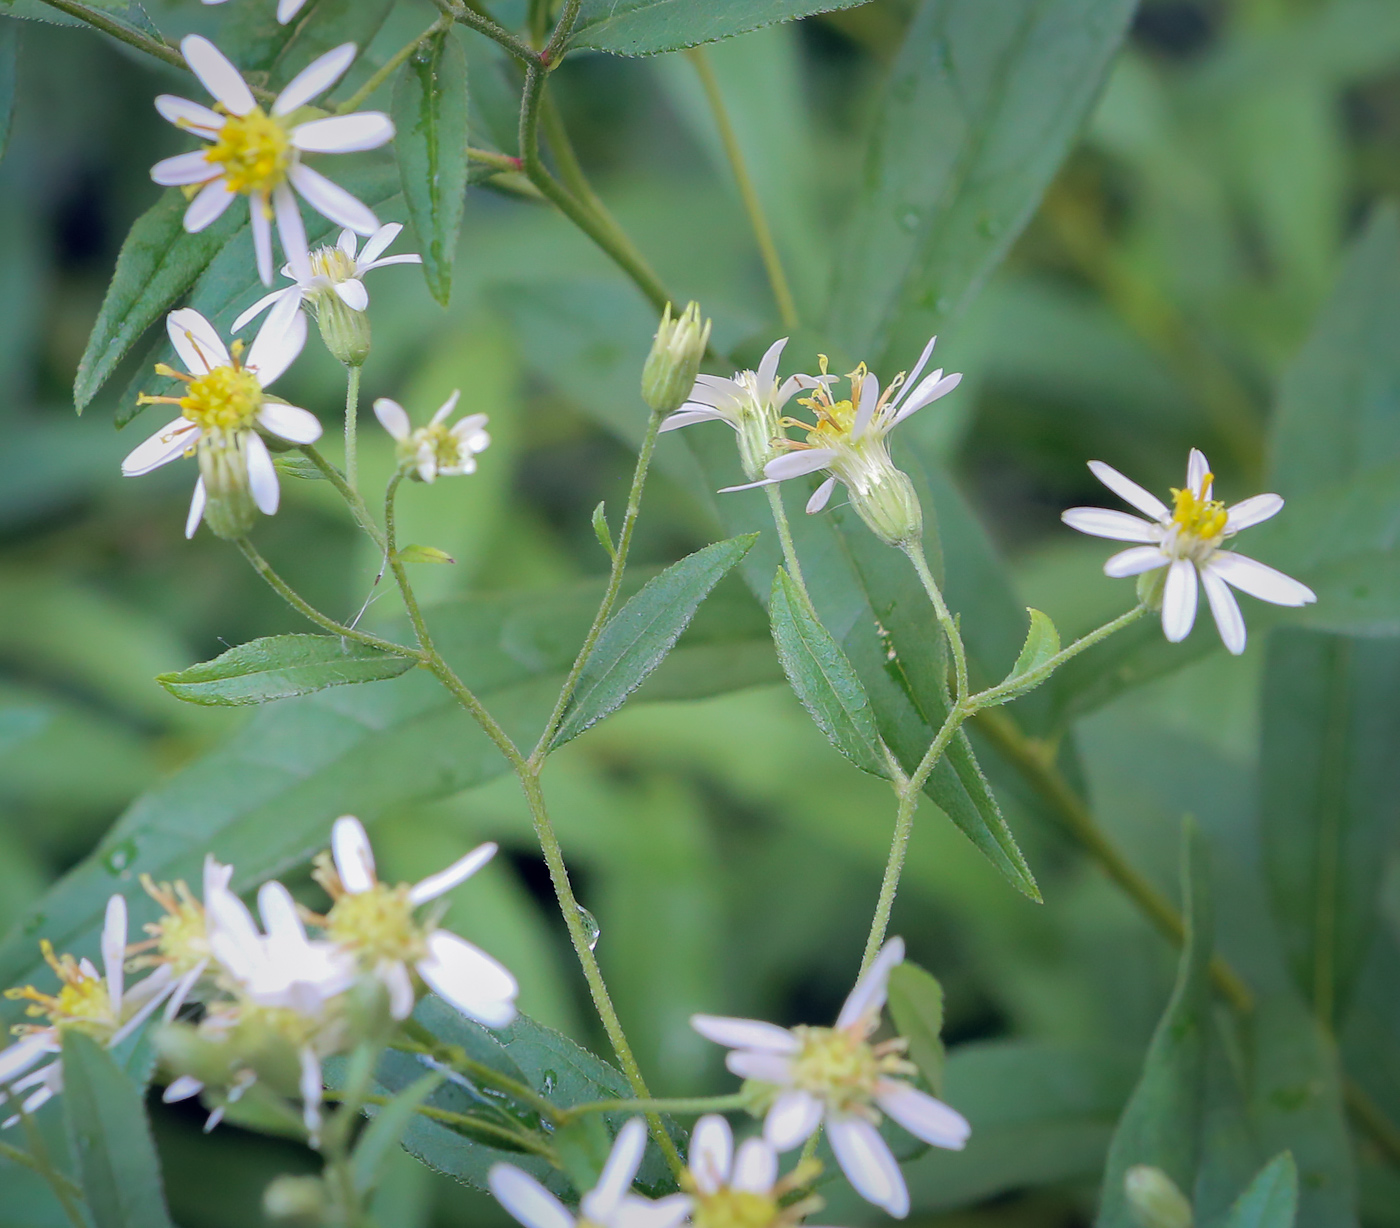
376 243
393 418
353 294
314 79
262 476
923 1116
184 168
869 394
1225 610
711 1152
821 496
1252 511
1259 580
745 1033
181 1089
791 1120
114 950
689 414
526 1199
292 230
1179 600
766 1067
217 75
795 464
287 9
196 341
868 1164
279 341
755 1167
344 134
193 116
1129 491
867 999
208 206
354 859
289 422
768 366
261 225
197 505
616 1178
1196 469
264 303
1117 526
471 980
332 201
171 441
1135 561
458 872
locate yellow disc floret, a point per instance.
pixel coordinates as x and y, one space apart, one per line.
82 1003
836 1065
731 1208
226 399
1197 514
254 150
378 925
332 264
180 938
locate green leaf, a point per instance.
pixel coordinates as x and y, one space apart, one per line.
382 1135
124 12
430 115
647 27
158 262
424 554
111 1139
281 666
1271 1200
1161 1124
601 530
637 638
823 678
980 110
916 1005
253 38
1042 643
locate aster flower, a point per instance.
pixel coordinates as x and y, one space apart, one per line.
221 410
609 1204
380 926
257 153
1186 540
286 9
743 1188
835 1076
435 450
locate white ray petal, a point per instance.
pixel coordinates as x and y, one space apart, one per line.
1252 511
668 1212
287 9
526 1199
192 116
1117 526
114 950
1179 600
279 915
182 1088
262 476
447 406
791 1119
385 261
689 414
1225 610
400 986
745 1033
934 390
867 999
615 1180
217 74
1196 469
376 243
314 79
353 294
1135 561
393 418
196 341
458 872
795 464
197 505
292 230
181 992
1130 492
354 858
184 169
755 1166
912 379
311 1089
21 1055
1259 580
206 208
869 1167
923 1116
766 1067
821 496
278 342
261 225
768 366
264 303
469 979
711 1152
345 134
289 422
869 394
168 443
332 201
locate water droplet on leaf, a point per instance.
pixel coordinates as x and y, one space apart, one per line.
550 1082
591 927
119 857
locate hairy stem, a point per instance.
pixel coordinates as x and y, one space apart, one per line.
100 21
352 412
683 1104
915 551
474 19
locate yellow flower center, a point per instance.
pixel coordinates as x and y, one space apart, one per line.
1198 514
180 938
82 1002
379 925
835 1065
254 151
227 399
332 264
730 1208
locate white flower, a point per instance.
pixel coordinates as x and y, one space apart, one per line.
380 925
834 1075
97 1003
435 451
336 270
286 9
1187 541
749 402
222 407
609 1204
257 153
732 1189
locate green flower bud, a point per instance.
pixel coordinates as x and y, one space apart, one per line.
890 507
674 362
296 1200
344 330
1154 1200
223 464
183 1050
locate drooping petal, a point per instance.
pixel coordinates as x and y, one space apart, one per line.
471 980
171 441
1252 511
711 1152
114 950
867 999
869 1167
332 201
1116 526
795 464
922 1115
616 1178
1196 469
345 134
1225 610
526 1199
766 1067
289 422
292 230
791 1119
183 169
264 303
314 79
1135 561
193 116
354 859
197 504
1259 580
458 872
261 225
376 243
755 1166
262 476
393 418
353 294
869 394
821 496
217 74
1179 600
745 1033
206 208
1129 491
768 366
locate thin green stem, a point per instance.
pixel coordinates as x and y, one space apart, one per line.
758 221
358 508
605 607
793 563
310 612
352 413
132 38
480 22
390 65
559 40
915 550
683 1104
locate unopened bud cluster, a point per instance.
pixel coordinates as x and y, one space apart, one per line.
674 361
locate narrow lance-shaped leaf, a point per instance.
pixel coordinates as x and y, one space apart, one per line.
1271 1200
647 27
430 116
823 678
382 1135
281 666
111 1140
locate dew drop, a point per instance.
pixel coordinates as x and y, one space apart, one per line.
591 928
549 1083
119 857
909 220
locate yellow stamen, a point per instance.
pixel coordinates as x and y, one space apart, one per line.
254 150
227 398
378 924
82 1002
1197 513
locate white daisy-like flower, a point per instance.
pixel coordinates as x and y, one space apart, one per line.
221 411
335 270
742 1189
609 1204
380 926
435 451
835 1076
286 9
99 1004
749 402
1186 540
257 153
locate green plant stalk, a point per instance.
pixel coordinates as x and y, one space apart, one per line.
391 65
758 221
352 413
915 552
358 508
683 1104
476 20
68 1195
131 38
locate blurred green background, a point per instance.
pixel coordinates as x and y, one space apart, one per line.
731 859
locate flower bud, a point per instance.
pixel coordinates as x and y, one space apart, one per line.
344 330
890 507
183 1050
1154 1200
223 464
295 1200
674 361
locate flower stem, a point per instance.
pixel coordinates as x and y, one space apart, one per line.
793 563
352 413
758 221
390 65
915 551
472 18
684 1104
